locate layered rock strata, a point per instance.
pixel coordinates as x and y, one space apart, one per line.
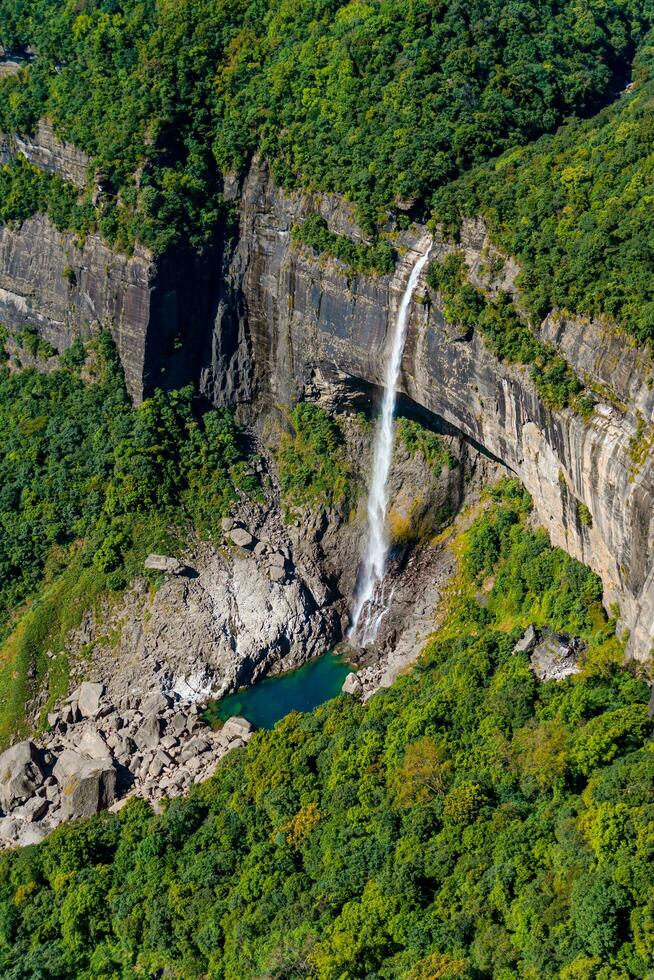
301 315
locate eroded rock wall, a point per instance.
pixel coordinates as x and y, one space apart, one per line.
299 315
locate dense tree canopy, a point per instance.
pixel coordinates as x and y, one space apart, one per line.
576 209
381 100
468 823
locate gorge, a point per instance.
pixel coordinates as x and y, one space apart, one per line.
326 490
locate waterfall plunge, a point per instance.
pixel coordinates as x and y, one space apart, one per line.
371 602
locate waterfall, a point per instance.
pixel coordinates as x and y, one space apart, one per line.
371 600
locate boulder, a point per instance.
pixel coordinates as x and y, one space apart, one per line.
241 538
148 734
35 809
276 573
20 774
352 685
528 641
163 563
156 703
555 657
87 785
91 743
88 699
227 523
237 727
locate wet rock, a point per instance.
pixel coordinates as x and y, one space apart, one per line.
20 774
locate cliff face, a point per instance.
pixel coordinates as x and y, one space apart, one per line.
272 322
298 318
49 153
68 291
160 313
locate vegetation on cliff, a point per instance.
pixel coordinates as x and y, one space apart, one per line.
576 210
376 258
383 101
469 822
506 333
314 470
88 486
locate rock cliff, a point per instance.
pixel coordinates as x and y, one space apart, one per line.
299 316
68 287
270 321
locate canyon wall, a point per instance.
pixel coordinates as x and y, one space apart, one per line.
301 319
269 322
70 287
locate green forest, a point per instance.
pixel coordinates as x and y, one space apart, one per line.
467 823
383 101
575 209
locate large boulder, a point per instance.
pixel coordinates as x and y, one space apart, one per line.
87 785
555 657
163 563
237 727
88 699
241 538
92 744
148 735
352 685
20 774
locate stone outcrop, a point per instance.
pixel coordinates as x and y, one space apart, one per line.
555 657
43 149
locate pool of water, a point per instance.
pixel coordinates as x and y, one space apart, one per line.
270 699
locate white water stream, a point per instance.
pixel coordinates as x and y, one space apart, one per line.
371 602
